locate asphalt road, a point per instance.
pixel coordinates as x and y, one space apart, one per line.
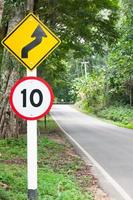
109 145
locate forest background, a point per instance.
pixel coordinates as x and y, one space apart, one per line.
93 67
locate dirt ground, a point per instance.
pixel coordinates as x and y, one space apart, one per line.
81 173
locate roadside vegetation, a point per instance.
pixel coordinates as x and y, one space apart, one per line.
87 30
102 82
62 174
121 115
93 68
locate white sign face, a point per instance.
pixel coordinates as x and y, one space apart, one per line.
31 98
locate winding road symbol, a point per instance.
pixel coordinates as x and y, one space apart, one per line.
38 34
39 42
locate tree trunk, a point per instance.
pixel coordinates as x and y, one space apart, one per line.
10 125
1 9
130 96
30 5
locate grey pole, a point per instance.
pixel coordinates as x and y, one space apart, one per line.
85 63
32 194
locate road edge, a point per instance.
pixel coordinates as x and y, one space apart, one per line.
115 193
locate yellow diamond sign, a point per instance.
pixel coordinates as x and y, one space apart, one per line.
31 41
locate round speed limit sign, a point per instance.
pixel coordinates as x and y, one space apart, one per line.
31 98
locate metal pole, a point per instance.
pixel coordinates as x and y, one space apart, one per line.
32 153
45 121
85 63
85 69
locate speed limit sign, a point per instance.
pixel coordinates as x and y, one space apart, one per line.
31 98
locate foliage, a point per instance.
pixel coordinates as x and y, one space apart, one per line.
78 23
52 186
9 7
120 59
90 91
99 32
83 28
60 80
121 114
56 177
109 78
14 177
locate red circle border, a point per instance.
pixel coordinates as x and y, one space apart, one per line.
31 78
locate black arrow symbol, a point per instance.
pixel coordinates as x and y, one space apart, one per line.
38 34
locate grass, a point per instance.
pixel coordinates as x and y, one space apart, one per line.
57 168
13 178
119 115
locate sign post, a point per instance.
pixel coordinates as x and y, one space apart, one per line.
31 97
32 159
32 152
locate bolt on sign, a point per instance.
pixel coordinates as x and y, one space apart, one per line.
31 41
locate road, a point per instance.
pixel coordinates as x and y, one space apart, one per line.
110 146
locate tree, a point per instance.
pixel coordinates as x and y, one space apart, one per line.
120 59
1 9
10 124
90 23
1 12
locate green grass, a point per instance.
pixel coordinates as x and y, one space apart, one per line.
52 186
13 148
56 170
51 126
121 116
14 178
